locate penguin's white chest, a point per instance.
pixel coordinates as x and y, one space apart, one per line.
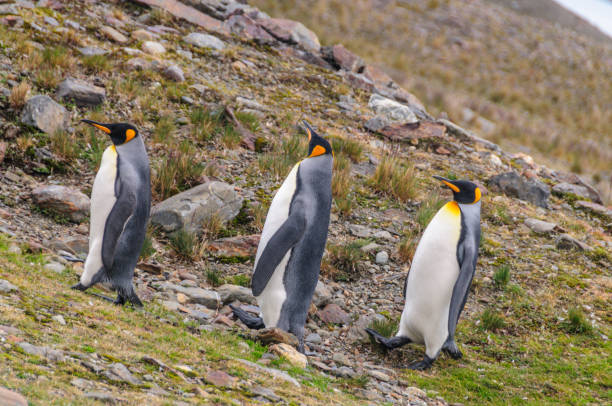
273 296
102 201
431 280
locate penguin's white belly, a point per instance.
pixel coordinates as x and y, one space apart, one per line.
102 202
431 280
273 296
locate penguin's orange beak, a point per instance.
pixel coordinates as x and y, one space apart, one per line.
100 126
448 183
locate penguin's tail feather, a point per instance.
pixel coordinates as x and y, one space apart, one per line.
388 343
252 322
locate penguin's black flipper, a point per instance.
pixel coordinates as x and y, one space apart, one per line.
252 322
388 343
422 365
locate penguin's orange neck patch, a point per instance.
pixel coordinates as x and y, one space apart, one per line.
453 208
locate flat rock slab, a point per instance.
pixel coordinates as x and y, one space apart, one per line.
119 373
565 188
290 354
113 34
45 114
190 14
220 378
202 40
275 373
190 209
333 314
230 293
273 335
62 200
10 398
7 287
291 32
539 226
43 352
514 185
81 92
414 131
395 112
567 242
248 29
342 58
322 294
244 246
595 208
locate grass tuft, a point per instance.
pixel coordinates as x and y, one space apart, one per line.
343 261
577 322
387 327
491 320
178 171
394 179
501 277
19 95
184 243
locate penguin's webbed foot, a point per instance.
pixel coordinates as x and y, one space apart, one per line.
108 299
422 365
252 322
388 343
79 286
453 351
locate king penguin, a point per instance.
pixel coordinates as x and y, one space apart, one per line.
292 242
440 276
120 206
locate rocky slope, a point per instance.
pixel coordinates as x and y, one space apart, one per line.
217 91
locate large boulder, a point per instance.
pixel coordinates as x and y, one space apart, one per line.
81 92
62 200
10 398
244 246
248 29
391 110
531 190
188 210
229 293
45 114
342 58
291 32
565 188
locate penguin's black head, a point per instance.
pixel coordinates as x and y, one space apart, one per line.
120 133
318 145
464 191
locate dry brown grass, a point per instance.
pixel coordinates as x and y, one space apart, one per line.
19 95
395 179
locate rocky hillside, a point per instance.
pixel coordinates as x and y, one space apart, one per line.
218 89
523 82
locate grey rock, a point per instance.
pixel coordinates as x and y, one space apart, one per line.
113 34
204 41
370 247
313 338
539 226
45 114
266 393
82 383
274 372
153 48
190 209
292 32
462 133
104 397
73 24
595 208
577 190
381 376
174 72
60 319
171 305
343 372
382 257
250 104
208 298
322 295
7 287
8 9
55 267
10 398
395 112
230 293
360 231
43 352
377 123
187 100
51 21
567 242
356 333
81 92
512 184
62 200
119 373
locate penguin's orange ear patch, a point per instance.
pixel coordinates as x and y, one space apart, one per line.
317 150
129 135
477 195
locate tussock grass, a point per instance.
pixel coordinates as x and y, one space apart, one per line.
347 147
491 320
184 243
96 63
501 277
343 262
428 209
64 145
284 155
387 327
395 179
577 323
406 247
178 171
19 95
